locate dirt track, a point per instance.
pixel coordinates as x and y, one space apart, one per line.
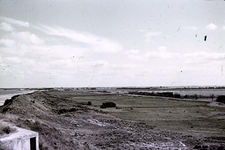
63 124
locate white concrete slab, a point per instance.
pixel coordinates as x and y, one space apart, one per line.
19 140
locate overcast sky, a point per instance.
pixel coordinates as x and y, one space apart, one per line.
87 43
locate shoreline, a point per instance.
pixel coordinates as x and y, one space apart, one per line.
4 97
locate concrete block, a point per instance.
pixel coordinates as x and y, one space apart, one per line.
21 139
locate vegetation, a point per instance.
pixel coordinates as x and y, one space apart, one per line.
221 99
176 95
173 95
36 126
163 94
85 103
140 117
62 111
5 129
89 103
108 104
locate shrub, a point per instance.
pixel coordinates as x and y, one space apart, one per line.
167 94
196 96
7 130
102 106
36 126
72 110
221 98
89 103
62 111
108 104
176 95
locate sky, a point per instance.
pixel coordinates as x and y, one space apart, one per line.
111 43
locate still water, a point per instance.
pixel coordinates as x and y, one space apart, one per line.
7 94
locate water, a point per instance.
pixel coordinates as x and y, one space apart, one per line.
7 94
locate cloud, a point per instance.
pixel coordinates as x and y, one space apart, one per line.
23 37
211 26
191 57
95 43
16 22
55 57
162 48
7 42
28 38
188 57
6 27
223 28
134 51
18 60
133 54
152 34
53 52
160 54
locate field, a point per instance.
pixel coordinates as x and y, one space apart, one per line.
189 117
65 121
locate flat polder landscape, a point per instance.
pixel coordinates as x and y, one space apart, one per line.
72 118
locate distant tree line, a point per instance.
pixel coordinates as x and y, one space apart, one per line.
221 99
172 94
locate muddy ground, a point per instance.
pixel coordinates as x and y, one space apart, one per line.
64 121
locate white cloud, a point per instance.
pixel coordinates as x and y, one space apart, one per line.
134 51
16 22
6 27
18 60
27 37
162 48
223 28
135 57
160 54
7 42
152 34
189 57
194 57
27 53
133 54
204 56
211 26
54 52
95 43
